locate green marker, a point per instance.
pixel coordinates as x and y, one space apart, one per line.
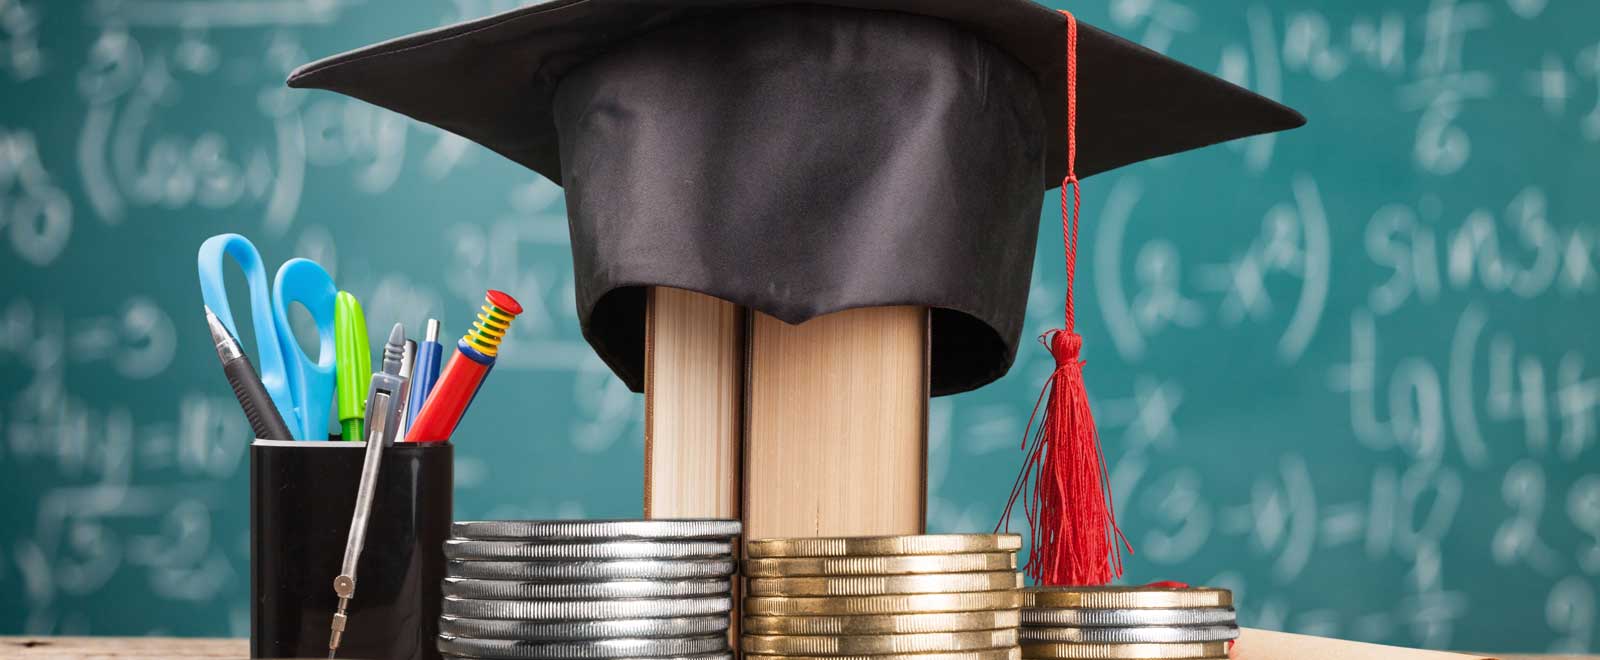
353 361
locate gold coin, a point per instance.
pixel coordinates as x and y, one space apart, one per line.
881 624
992 654
881 565
873 585
850 546
1066 651
1120 598
940 642
967 601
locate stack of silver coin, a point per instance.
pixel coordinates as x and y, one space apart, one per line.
1130 623
591 590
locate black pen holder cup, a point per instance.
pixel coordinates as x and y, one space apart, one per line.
302 495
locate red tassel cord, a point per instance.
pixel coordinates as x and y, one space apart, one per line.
1066 494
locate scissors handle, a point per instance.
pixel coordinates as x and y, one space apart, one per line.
304 281
269 351
301 389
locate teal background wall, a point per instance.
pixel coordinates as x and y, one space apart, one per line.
1351 371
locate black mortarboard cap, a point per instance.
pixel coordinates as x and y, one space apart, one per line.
801 159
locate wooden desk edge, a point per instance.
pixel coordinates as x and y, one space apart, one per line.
151 648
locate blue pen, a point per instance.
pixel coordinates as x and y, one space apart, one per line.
429 356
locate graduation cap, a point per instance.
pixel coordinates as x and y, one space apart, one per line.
802 159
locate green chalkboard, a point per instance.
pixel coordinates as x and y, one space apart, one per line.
1350 371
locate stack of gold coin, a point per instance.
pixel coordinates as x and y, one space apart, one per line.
931 597
1127 623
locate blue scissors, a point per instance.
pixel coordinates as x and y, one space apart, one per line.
300 388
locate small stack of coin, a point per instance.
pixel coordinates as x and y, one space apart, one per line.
934 597
593 590
1127 623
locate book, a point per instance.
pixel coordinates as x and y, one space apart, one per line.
694 397
836 424
816 429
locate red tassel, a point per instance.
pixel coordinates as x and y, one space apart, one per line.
1074 538
1073 534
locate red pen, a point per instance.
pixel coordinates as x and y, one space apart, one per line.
463 376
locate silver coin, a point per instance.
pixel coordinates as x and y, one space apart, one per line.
595 530
586 610
524 590
1132 635
608 649
517 550
572 630
583 571
1095 618
728 655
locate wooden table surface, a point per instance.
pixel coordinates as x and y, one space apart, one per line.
154 648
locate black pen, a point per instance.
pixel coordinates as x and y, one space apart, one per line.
265 421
